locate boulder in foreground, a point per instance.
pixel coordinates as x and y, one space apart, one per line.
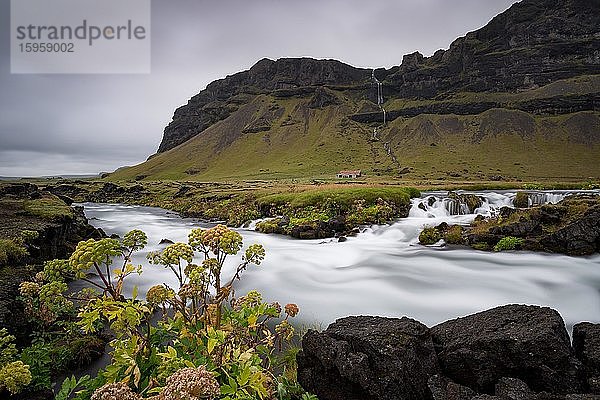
513 352
364 358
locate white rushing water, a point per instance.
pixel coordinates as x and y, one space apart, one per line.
380 99
384 271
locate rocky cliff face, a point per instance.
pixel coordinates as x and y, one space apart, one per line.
283 77
533 43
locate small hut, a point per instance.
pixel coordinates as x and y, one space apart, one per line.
349 174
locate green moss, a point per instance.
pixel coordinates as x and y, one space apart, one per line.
11 251
591 185
429 236
508 243
483 246
234 209
376 214
454 235
269 226
29 236
310 217
342 198
50 208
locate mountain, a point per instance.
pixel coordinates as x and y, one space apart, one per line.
518 98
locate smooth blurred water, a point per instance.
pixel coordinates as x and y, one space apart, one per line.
384 271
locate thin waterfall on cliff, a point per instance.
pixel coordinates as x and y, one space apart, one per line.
379 95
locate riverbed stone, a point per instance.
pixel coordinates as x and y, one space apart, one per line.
525 342
364 358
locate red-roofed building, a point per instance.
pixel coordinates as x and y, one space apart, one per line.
349 174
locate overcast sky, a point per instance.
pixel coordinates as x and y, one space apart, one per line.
79 124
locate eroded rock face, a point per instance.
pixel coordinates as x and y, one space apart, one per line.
368 358
525 342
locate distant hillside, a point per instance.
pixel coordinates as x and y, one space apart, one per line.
517 98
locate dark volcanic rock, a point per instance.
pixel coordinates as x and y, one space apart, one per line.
470 200
586 342
22 190
323 97
363 358
521 200
318 230
514 389
444 389
531 44
66 190
525 342
580 237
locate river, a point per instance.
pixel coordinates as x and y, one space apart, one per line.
383 270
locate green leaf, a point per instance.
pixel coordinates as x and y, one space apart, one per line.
233 384
244 376
226 389
211 345
69 385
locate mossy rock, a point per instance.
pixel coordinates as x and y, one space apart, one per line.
521 200
453 235
269 226
472 201
483 246
11 252
429 236
49 208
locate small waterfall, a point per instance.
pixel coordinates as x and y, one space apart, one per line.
442 204
437 206
539 198
445 204
380 99
375 134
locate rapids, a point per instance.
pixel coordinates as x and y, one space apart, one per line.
384 271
